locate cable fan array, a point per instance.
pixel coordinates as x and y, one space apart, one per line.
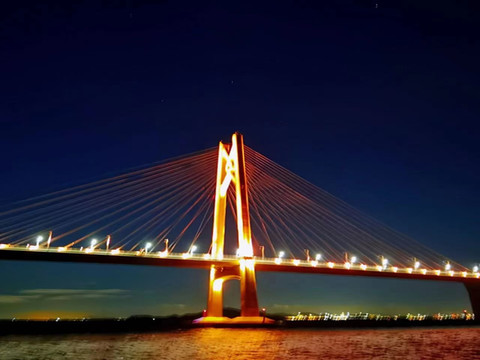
289 213
174 200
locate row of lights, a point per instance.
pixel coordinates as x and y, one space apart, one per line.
348 263
384 265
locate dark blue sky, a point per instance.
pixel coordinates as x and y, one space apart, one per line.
376 102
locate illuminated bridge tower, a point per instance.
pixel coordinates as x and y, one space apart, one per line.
231 170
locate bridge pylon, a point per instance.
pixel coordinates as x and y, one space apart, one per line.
231 170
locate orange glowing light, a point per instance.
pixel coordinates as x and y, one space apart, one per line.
163 254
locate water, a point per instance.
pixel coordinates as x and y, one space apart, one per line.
240 344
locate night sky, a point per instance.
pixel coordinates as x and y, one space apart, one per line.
377 102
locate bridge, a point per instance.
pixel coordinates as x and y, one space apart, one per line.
282 223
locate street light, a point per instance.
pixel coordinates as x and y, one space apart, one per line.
318 257
475 268
353 260
39 239
194 248
92 243
417 264
448 266
281 254
148 245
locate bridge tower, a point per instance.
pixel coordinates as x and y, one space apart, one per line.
231 171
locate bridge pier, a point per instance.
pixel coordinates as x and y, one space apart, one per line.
473 289
218 276
249 313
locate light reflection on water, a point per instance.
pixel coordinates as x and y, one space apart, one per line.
276 344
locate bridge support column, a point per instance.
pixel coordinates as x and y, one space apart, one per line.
248 288
218 277
473 289
231 170
249 313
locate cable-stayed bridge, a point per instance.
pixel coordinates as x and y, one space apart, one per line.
228 209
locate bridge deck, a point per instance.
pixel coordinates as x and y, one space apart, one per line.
203 261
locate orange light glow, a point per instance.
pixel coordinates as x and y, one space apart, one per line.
217 285
163 254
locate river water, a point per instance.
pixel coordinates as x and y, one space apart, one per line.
263 344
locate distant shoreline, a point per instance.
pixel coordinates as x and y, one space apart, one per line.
159 324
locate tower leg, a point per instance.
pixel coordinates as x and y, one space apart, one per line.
248 289
473 289
215 295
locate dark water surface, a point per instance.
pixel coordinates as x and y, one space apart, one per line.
264 344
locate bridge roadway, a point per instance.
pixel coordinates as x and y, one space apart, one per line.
203 261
